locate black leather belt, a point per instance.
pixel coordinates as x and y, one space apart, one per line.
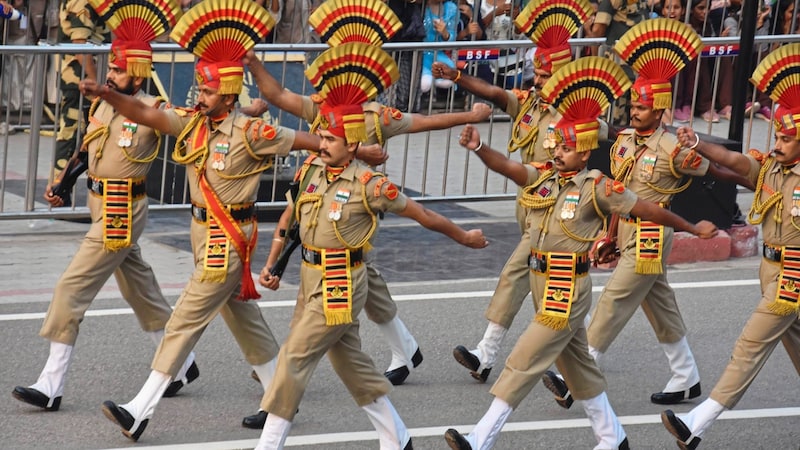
538 263
314 257
240 213
97 185
774 253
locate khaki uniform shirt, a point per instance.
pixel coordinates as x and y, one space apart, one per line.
651 171
532 119
788 184
79 21
576 196
348 192
230 137
391 121
116 161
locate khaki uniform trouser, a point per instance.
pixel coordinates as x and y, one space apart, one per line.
310 338
380 306
200 302
89 270
512 287
541 346
760 336
626 290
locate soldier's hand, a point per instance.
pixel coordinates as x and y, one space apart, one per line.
482 111
372 154
469 137
441 70
90 87
54 200
249 57
686 136
267 280
475 239
258 107
705 229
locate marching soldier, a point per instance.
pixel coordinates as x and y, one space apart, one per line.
382 123
776 206
336 208
567 208
549 24
649 161
224 152
117 153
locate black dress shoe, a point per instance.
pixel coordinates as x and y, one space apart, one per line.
33 397
676 427
672 398
456 441
254 376
124 419
557 386
624 445
471 362
408 446
398 376
256 421
176 385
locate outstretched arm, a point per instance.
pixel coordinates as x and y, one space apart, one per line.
128 106
652 212
422 122
494 160
436 222
736 162
306 141
269 87
474 85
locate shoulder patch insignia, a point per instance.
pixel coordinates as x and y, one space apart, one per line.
379 185
675 152
541 167
391 191
617 187
268 132
316 98
522 95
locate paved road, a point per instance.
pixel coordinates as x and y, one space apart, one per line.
442 290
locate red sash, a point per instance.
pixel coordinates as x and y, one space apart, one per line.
235 235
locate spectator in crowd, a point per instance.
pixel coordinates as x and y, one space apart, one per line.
440 21
759 104
470 27
292 28
692 81
406 90
16 67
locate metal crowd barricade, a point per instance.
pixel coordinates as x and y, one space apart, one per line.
428 166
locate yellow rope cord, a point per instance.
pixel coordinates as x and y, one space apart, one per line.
199 155
757 210
517 142
371 229
308 198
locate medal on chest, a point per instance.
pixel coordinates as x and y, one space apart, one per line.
550 137
648 166
220 151
796 202
570 205
339 199
126 134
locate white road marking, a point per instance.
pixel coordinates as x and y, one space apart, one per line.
397 298
360 436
